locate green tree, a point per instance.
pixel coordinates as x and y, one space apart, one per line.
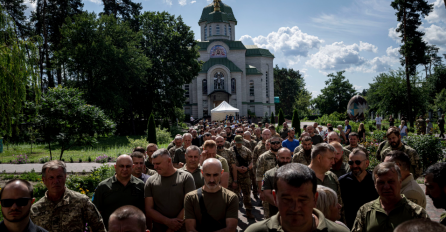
69 120
281 118
151 130
16 11
165 124
106 65
436 82
289 85
296 122
265 118
273 119
17 73
336 95
127 10
171 47
413 48
440 100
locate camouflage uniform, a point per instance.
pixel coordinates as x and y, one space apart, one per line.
301 158
70 214
252 145
266 162
298 148
415 167
245 143
421 126
227 144
244 182
372 217
171 144
172 151
230 158
350 148
346 154
258 150
284 133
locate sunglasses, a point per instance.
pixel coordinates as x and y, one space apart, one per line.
357 162
239 132
19 202
275 142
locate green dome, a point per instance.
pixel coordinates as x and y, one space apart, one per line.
224 15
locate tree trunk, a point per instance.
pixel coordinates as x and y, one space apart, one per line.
409 104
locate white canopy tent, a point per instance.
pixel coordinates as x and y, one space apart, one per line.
219 113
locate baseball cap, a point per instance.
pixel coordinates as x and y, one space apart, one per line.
238 139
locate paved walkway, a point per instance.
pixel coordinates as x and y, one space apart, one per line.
71 167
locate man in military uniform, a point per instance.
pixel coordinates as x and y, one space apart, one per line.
62 209
151 148
227 144
247 137
293 183
119 190
298 148
441 126
284 131
244 164
283 157
394 139
266 162
258 135
230 158
179 159
391 208
354 139
339 167
210 151
245 142
334 137
192 165
304 155
435 181
252 145
322 159
127 218
421 125
211 208
178 144
260 149
16 200
229 134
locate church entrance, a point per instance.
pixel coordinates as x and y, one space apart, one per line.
217 103
218 96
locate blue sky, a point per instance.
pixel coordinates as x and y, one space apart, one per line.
315 37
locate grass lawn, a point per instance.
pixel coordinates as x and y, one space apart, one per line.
111 146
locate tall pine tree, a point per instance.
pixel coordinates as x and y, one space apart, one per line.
151 130
296 123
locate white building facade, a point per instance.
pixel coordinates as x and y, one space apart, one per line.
241 75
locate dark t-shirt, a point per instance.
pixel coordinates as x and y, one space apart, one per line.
180 156
346 128
196 141
30 228
268 184
168 194
391 122
317 139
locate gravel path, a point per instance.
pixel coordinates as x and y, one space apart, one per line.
71 167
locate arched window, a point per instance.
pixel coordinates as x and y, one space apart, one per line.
210 31
205 33
204 86
217 29
267 84
233 86
219 80
251 88
230 32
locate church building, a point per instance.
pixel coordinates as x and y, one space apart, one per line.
241 75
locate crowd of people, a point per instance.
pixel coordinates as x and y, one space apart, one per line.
317 182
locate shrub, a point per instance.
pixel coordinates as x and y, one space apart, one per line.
296 123
273 120
44 159
166 124
137 142
89 159
265 119
20 159
428 148
151 130
30 176
281 118
104 159
163 136
377 137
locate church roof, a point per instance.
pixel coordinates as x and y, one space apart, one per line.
223 61
233 45
251 52
224 15
252 70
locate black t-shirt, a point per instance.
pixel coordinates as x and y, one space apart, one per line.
196 141
391 121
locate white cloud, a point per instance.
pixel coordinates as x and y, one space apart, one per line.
193 2
168 2
367 47
393 52
357 87
336 56
377 64
438 14
395 35
32 5
287 41
435 35
341 22
182 2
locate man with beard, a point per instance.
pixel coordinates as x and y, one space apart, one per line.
164 194
212 207
229 135
290 142
138 166
304 155
179 159
195 139
295 195
391 208
394 139
316 138
230 158
244 165
435 181
16 200
284 131
266 162
227 144
354 139
192 165
119 190
334 137
59 200
357 187
245 142
298 148
340 167
283 157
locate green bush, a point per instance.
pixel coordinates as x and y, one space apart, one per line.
377 137
265 119
151 130
281 118
428 148
163 136
296 123
165 124
273 119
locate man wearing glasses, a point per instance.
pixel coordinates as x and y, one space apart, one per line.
357 186
245 142
17 199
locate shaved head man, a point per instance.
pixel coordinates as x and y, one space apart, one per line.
127 219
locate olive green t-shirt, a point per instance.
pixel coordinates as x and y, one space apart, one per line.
180 156
197 175
220 205
168 194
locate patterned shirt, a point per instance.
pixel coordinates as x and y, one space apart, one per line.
258 150
302 158
415 167
246 154
265 162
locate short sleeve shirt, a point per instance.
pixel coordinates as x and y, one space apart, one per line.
197 175
180 156
378 120
316 138
291 145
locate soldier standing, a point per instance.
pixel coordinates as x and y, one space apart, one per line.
252 145
266 162
179 159
244 164
304 155
260 149
394 139
151 148
284 131
178 144
354 139
230 158
421 125
192 165
50 212
138 166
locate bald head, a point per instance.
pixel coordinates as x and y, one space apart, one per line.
123 167
212 163
127 218
18 185
124 158
333 137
